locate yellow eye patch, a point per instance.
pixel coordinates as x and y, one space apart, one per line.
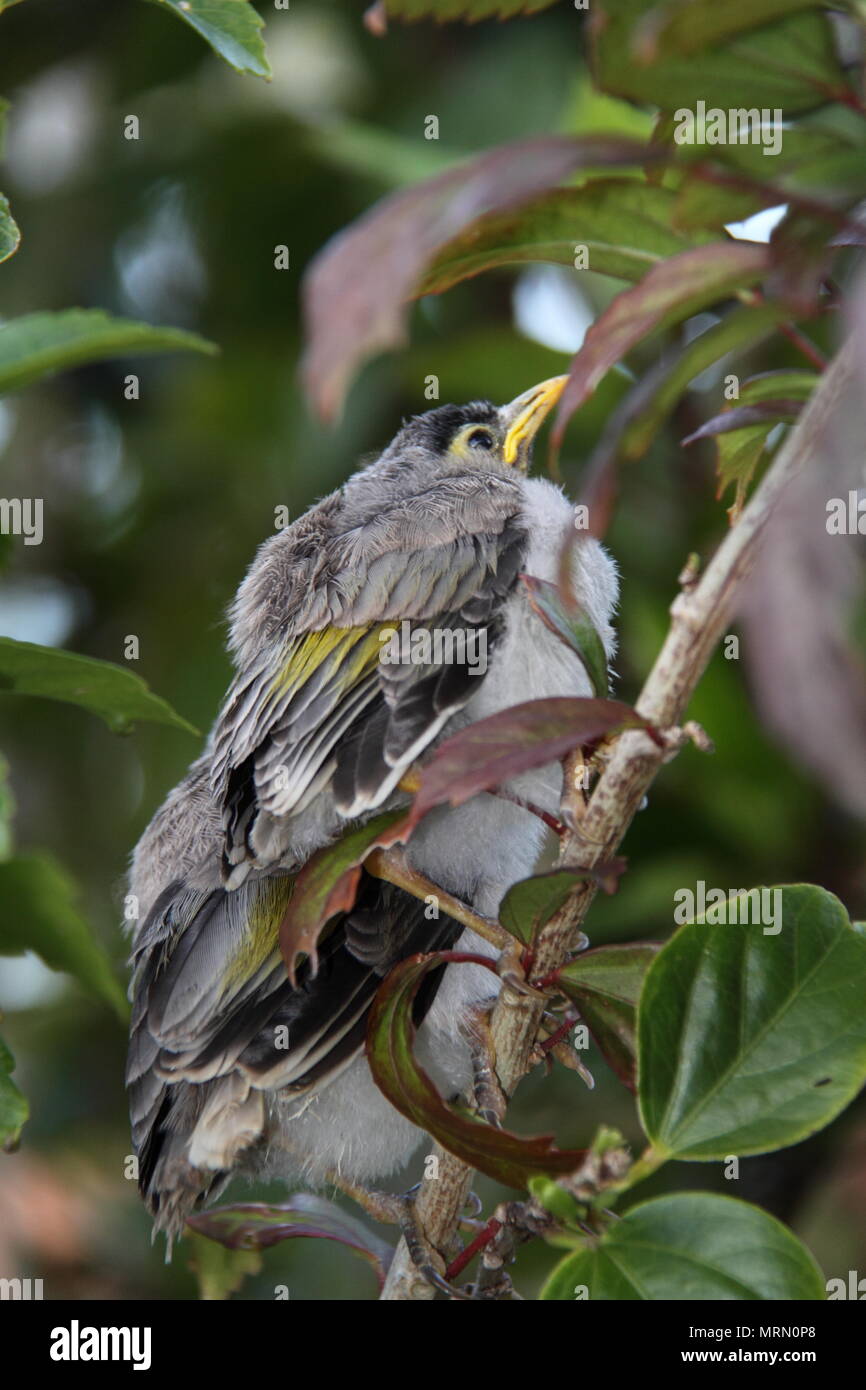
473 442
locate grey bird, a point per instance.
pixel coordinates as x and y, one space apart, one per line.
232 1068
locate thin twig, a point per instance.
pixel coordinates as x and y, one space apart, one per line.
392 866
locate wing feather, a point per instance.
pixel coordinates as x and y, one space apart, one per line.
317 705
210 992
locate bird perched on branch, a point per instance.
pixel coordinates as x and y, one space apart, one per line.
232 1068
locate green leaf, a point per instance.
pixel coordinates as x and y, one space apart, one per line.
117 695
790 65
328 883
258 1226
559 610
741 431
738 455
687 26
788 383
822 159
554 1198
605 1160
367 151
742 328
670 292
390 1036
7 810
529 905
14 1109
10 236
690 1246
36 344
702 205
625 225
469 10
750 1042
219 1270
7 4
38 913
231 27
605 984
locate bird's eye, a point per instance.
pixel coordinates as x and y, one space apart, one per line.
480 439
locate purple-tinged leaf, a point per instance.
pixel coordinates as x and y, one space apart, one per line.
801 602
259 1225
625 225
670 292
470 11
802 249
327 885
762 413
357 288
504 1156
493 750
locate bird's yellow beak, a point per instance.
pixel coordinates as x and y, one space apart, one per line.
524 416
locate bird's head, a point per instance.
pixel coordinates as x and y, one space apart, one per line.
479 435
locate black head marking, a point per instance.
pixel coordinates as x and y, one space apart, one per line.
437 428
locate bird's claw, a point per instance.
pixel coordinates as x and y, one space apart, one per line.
489 1097
426 1259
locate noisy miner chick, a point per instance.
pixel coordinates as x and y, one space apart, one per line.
232 1068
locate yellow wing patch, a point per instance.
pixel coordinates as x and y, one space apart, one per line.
332 645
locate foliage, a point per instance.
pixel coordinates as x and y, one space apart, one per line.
728 1040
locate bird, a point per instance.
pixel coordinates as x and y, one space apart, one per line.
234 1069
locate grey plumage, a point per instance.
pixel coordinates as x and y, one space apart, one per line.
315 731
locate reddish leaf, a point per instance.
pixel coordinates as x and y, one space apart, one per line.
674 290
802 601
257 1226
489 752
470 11
327 884
625 224
357 288
764 412
802 249
390 1036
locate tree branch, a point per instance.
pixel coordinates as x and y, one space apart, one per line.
699 616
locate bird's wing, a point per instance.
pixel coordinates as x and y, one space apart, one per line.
216 1022
318 704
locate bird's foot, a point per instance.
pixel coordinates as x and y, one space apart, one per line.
382 1206
426 1259
490 1099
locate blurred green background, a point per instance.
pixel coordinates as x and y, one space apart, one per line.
153 509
